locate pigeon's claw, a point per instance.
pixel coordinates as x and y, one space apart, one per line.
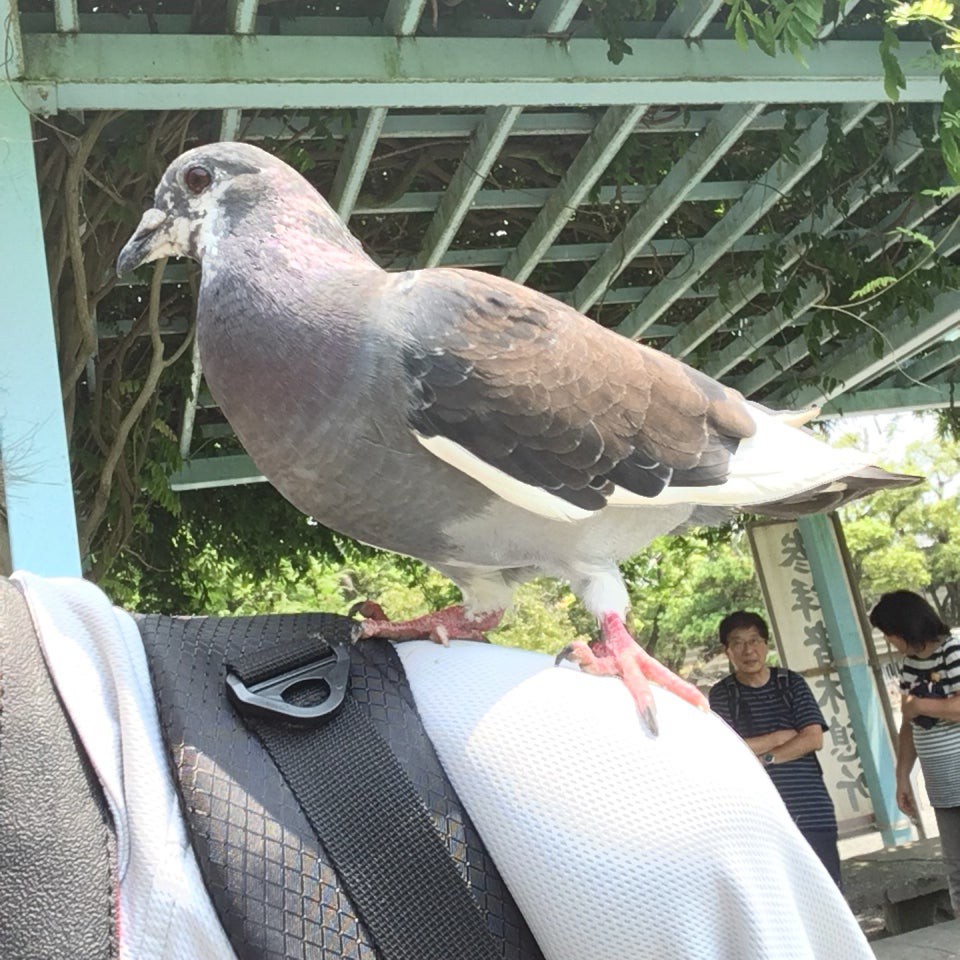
618 654
451 623
367 610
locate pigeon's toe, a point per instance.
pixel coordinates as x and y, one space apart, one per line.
590 657
618 654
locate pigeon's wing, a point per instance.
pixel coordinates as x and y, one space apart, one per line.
548 409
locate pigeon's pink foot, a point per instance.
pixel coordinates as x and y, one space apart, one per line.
617 654
451 623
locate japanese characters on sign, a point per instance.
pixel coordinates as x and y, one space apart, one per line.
803 645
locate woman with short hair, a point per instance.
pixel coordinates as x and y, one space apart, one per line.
930 707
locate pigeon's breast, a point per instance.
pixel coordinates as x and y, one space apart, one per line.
321 409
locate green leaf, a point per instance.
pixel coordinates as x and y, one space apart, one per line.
878 283
893 79
950 134
913 235
941 192
740 32
936 10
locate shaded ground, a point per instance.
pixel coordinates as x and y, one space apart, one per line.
892 891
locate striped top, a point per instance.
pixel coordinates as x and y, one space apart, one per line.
937 741
785 705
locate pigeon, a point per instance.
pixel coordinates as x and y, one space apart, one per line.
454 416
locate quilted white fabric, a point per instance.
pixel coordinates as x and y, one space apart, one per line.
616 845
96 659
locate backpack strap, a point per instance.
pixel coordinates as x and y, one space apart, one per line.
284 854
57 851
781 679
733 695
359 802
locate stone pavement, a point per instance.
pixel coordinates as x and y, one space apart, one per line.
939 942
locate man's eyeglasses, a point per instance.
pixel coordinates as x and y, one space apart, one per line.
741 643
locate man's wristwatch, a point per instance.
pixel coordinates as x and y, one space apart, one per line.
769 759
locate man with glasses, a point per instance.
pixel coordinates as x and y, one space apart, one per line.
775 712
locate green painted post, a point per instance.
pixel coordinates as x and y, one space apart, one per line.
839 610
41 519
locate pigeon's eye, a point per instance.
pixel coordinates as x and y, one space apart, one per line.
197 179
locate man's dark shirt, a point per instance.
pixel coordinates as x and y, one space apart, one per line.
768 708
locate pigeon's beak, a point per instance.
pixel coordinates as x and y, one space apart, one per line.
145 244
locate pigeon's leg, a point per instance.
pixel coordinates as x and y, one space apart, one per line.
451 623
616 653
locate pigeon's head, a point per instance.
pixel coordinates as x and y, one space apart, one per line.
211 190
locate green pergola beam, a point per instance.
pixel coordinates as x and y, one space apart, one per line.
636 294
530 124
603 144
906 149
138 22
689 18
484 148
243 16
355 159
65 16
696 163
400 19
403 17
98 72
230 123
574 252
37 492
927 366
201 473
268 23
908 215
755 203
426 201
758 330
924 396
788 356
551 16
858 362
640 321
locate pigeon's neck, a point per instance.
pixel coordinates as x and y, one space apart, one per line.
321 231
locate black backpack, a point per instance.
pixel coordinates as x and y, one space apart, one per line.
322 821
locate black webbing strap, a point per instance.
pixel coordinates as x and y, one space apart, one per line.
365 812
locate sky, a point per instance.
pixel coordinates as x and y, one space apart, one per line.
887 434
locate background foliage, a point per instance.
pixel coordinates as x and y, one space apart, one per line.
243 549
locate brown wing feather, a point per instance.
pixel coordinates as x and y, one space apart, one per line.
557 401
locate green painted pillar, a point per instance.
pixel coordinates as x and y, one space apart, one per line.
837 604
38 494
